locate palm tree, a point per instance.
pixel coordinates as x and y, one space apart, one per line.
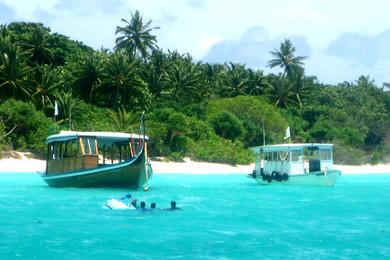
285 59
365 82
213 78
256 83
68 106
14 73
183 81
302 87
235 80
36 42
123 121
122 85
280 91
88 75
45 84
135 37
154 71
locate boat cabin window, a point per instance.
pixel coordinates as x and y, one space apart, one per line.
60 150
325 155
276 156
117 152
283 156
297 155
89 145
268 156
71 148
313 153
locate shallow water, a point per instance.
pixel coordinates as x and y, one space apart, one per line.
223 216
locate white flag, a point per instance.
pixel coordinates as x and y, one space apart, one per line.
55 108
287 133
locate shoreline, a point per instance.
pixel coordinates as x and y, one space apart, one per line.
29 165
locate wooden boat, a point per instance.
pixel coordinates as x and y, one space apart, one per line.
295 164
97 159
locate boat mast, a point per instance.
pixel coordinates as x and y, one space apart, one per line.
263 133
146 188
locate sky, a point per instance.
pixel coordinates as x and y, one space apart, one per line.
342 39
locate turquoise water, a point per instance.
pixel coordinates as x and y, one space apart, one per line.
223 217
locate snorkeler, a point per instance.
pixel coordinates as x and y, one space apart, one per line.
134 203
143 206
173 206
126 199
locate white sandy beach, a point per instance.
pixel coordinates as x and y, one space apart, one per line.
26 164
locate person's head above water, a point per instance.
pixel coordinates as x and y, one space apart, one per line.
143 204
173 204
153 205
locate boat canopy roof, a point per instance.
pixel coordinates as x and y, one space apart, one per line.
286 147
103 136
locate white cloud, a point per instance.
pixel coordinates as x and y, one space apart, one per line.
26 10
6 13
253 48
361 48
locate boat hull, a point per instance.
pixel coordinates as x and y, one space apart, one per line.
321 178
131 174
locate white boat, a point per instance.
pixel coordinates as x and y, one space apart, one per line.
295 164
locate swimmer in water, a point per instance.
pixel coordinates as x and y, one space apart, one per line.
133 203
143 206
173 206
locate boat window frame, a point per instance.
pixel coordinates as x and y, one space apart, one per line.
59 150
329 156
89 145
299 158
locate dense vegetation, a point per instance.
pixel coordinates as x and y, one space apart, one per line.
210 112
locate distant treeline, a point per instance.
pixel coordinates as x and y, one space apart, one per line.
209 112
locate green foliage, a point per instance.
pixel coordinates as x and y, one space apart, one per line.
123 121
3 138
157 132
135 37
284 58
298 125
122 85
211 112
217 149
377 156
31 126
352 115
183 80
198 129
252 111
45 83
87 75
174 127
91 118
227 125
14 72
45 47
280 92
68 109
